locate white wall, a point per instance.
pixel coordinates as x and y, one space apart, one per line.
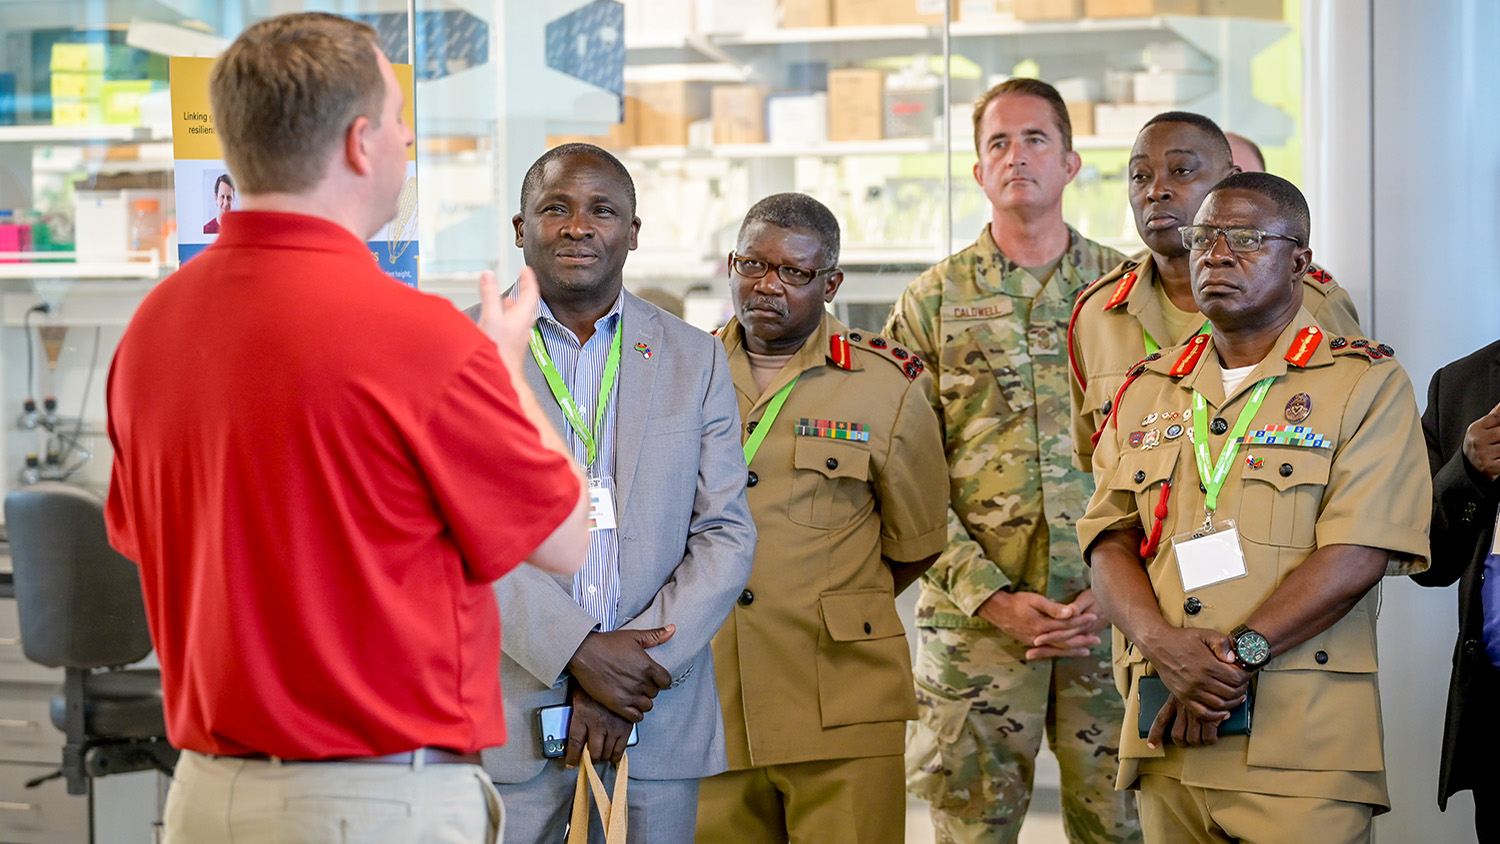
1423 217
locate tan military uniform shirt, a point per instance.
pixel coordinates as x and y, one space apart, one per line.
1356 475
1106 336
813 662
997 340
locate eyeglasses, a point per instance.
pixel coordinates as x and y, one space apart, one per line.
789 275
1203 238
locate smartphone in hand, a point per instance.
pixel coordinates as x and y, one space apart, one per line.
552 726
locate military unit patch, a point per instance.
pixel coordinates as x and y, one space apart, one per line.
832 429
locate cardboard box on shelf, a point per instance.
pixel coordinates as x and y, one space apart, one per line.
856 104
77 85
1123 120
891 12
666 109
984 11
1138 8
1262 9
796 14
1048 10
76 112
912 111
739 113
1081 115
78 58
797 119
1171 88
120 100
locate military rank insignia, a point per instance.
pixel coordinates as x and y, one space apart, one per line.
832 429
838 352
913 368
1303 345
1122 289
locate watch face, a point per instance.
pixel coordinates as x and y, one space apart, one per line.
1252 649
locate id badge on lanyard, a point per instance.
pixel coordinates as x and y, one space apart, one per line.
1209 555
601 504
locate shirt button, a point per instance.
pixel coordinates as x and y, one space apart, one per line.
1218 425
747 598
752 480
750 426
1321 657
592 589
1140 475
1202 488
867 627
1108 404
1471 646
1192 606
1286 470
832 463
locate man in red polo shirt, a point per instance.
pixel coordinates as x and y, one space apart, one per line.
320 471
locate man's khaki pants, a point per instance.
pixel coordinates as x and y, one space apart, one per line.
250 801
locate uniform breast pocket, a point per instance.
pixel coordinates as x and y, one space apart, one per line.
1141 474
1283 486
831 486
980 381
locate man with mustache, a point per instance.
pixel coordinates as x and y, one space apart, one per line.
646 404
1146 302
1009 631
848 492
1255 485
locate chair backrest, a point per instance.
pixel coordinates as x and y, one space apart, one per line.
79 600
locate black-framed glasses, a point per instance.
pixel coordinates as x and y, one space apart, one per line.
789 275
1203 238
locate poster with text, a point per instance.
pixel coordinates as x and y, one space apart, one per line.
206 190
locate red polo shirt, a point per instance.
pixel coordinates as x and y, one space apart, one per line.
320 471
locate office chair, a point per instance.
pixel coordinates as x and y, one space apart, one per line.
80 608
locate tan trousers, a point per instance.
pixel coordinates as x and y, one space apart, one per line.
841 801
220 799
1173 813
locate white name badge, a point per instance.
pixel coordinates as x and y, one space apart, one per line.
1209 555
601 504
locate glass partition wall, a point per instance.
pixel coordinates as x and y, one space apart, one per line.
712 104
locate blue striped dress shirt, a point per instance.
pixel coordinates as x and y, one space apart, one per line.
596 587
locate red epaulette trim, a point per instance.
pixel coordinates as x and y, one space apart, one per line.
838 350
1190 356
1122 289
1303 345
1321 276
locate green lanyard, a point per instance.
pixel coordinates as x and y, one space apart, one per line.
1214 480
588 435
1153 347
767 419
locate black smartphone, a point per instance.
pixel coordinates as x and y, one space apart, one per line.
552 726
1153 696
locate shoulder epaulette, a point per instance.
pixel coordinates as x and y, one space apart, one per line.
1122 290
910 365
1362 347
838 352
1319 275
1128 269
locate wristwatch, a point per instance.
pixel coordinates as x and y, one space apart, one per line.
1251 650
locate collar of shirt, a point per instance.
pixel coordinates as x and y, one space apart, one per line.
1000 274
1207 374
603 326
284 230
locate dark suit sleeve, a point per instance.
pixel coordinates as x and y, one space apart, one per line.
1463 500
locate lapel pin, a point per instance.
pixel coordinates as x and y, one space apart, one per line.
644 349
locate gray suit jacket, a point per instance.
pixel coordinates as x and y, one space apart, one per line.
686 544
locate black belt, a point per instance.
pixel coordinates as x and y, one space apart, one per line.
428 755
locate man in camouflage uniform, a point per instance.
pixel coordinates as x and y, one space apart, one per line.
1009 634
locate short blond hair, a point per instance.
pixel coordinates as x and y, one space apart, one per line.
286 91
1026 87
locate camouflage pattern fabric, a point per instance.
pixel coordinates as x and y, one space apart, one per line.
983 713
996 339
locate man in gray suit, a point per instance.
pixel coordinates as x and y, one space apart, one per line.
647 405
